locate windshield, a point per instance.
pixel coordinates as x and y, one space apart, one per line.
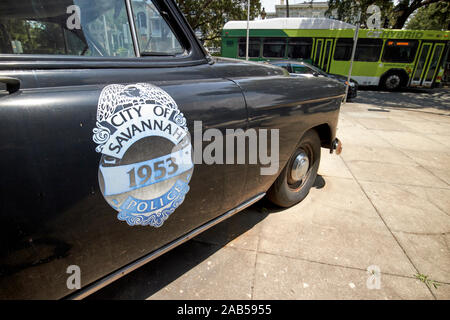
320 71
304 68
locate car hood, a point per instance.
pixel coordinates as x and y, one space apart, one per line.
242 68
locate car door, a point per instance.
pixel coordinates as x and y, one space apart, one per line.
98 125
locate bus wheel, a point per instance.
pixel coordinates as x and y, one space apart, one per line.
300 173
392 81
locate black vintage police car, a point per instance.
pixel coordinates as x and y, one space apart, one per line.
109 109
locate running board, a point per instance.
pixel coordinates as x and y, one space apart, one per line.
99 284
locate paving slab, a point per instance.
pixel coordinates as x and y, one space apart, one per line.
346 121
288 278
435 162
333 166
410 140
362 136
352 152
430 253
367 113
444 140
240 231
376 171
408 209
426 127
441 117
334 227
383 124
427 159
225 275
442 292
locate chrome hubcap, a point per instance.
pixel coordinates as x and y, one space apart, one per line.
300 167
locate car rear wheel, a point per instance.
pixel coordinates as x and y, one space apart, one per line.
299 175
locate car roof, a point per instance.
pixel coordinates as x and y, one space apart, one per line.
286 61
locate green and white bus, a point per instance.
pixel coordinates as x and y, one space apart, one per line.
385 57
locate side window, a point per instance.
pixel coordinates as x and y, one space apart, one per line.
253 47
343 51
283 65
298 68
368 50
97 28
403 51
300 48
274 47
154 34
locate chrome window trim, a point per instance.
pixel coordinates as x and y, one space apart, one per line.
133 28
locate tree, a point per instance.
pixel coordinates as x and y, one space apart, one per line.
209 16
347 10
432 17
405 8
395 12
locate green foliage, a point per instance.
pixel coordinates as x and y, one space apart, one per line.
394 13
425 279
436 16
347 10
209 16
37 37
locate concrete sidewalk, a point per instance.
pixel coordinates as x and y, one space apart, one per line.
384 202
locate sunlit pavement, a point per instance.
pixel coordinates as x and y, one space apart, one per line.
384 204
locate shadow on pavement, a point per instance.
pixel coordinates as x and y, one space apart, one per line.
155 275
411 98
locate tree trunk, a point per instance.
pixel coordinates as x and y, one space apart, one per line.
408 10
401 20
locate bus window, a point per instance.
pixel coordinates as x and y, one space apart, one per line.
274 47
253 47
402 51
368 50
343 49
299 48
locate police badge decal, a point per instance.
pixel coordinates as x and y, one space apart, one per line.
146 162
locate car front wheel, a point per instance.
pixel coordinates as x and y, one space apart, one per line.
299 175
